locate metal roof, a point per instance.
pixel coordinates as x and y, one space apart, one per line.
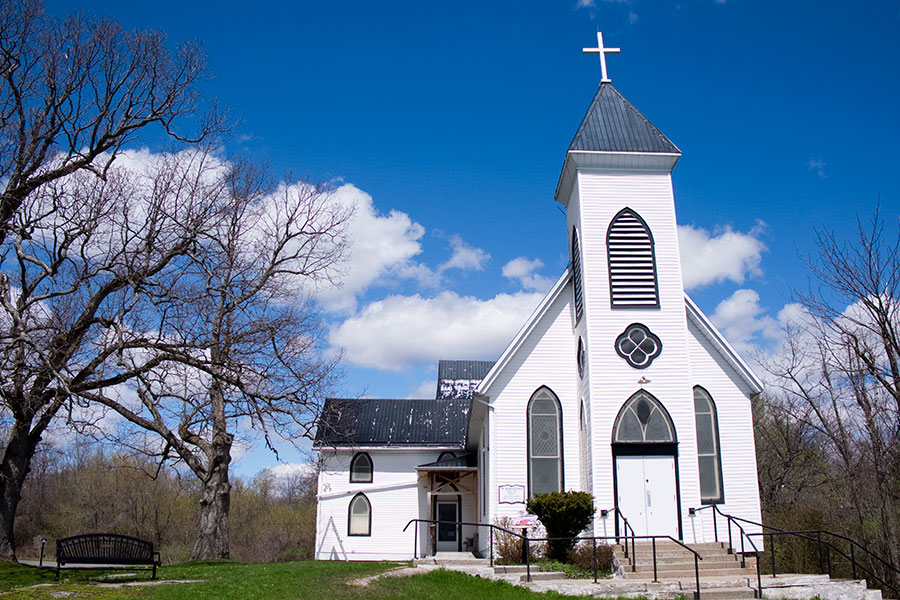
371 422
464 462
613 124
458 378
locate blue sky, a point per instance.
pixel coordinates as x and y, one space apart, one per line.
450 121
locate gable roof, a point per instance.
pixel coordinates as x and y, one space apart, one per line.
391 423
523 333
725 349
613 124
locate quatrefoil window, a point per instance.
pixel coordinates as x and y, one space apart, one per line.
638 346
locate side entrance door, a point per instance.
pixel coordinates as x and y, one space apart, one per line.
447 540
646 494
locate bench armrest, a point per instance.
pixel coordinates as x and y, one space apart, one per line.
158 559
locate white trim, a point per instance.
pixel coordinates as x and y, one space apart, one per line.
606 160
718 340
523 333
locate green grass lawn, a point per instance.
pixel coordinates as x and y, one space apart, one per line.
227 580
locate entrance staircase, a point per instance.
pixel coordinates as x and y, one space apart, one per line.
722 574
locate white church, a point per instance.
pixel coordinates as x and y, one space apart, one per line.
617 385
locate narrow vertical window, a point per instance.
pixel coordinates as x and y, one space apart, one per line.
709 457
360 516
361 468
578 292
632 262
544 443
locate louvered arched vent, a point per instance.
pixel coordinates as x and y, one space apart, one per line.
632 263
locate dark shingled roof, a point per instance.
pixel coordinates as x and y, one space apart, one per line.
613 124
371 422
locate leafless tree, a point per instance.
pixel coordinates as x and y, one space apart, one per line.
839 374
73 92
254 358
82 258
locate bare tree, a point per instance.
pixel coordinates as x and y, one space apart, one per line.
839 374
73 92
82 260
257 363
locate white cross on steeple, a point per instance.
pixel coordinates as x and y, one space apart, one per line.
602 52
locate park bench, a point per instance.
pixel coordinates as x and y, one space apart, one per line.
105 549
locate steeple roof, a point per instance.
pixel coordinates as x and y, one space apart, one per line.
613 124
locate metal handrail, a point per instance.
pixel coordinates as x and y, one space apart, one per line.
729 519
818 539
526 541
625 528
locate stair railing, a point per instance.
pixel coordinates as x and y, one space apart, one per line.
626 526
730 520
815 535
526 542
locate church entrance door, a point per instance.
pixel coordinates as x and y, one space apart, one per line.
447 529
647 495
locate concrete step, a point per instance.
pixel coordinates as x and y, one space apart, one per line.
504 569
688 574
458 559
543 575
686 566
726 593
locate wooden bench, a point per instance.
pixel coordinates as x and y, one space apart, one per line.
105 549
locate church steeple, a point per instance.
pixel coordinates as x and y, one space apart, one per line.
613 124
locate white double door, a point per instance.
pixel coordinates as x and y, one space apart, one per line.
646 494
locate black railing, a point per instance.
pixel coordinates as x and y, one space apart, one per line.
733 521
527 541
824 549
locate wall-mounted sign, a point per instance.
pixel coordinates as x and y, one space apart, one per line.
512 494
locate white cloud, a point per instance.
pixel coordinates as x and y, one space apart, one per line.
381 245
728 255
426 389
523 270
743 321
632 18
817 166
465 257
289 470
398 331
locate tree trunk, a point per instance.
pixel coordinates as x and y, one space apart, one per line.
14 468
212 535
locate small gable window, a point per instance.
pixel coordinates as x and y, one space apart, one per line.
544 443
361 468
360 516
576 277
709 458
632 262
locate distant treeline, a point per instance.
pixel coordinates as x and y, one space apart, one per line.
89 489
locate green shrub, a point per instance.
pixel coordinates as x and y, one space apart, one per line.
564 515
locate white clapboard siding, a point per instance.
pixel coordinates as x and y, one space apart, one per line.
545 357
601 195
397 494
717 376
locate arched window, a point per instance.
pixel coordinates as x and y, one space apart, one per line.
576 276
632 262
643 420
361 468
709 457
545 470
359 517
